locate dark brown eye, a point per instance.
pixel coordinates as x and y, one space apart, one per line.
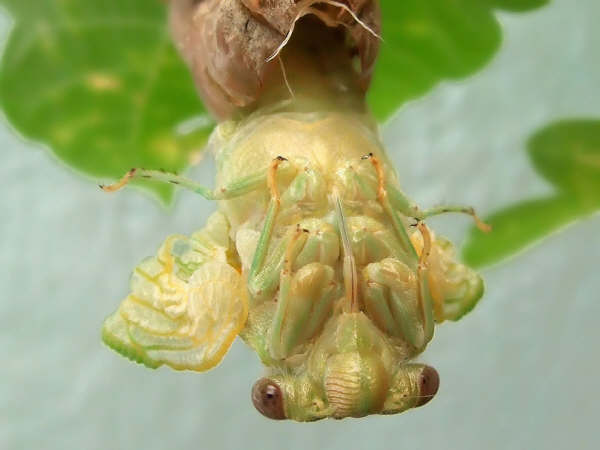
429 382
267 398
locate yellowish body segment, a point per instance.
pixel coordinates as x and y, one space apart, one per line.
312 259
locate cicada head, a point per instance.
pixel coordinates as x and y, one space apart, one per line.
352 371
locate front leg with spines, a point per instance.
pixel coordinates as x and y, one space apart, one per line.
262 279
306 193
305 300
391 298
384 200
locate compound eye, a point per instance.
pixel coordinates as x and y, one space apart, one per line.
429 383
267 399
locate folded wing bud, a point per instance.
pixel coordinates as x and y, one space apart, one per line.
186 305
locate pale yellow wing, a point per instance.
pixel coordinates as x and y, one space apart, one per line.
185 308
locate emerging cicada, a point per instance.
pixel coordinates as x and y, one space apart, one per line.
314 258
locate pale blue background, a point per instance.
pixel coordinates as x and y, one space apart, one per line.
520 372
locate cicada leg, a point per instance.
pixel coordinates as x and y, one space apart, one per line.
423 290
383 198
305 299
454 287
390 295
404 205
235 189
451 287
398 300
301 266
261 276
455 209
306 191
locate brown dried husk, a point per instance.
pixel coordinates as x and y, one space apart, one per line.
227 43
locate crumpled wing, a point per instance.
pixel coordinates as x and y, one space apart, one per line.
185 308
455 288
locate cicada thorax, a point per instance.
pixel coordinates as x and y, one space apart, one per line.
300 285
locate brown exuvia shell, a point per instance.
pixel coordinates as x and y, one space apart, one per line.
227 43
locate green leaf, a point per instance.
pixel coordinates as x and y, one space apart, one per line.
426 41
100 83
519 226
568 155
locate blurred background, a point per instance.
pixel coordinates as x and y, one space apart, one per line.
518 372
